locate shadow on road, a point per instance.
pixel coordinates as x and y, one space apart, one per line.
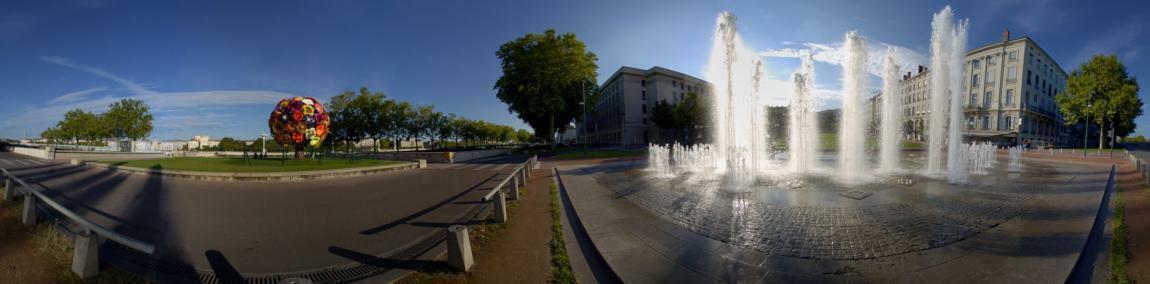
384 263
222 268
419 213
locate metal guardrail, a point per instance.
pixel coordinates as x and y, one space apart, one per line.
83 256
523 171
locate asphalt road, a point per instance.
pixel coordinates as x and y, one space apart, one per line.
269 228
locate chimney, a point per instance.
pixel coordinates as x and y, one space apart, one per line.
1005 35
920 69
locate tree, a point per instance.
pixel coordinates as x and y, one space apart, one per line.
427 122
128 119
1101 90
400 122
345 123
545 78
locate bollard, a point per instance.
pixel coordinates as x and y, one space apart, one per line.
500 207
523 175
9 191
514 188
86 259
459 248
29 210
422 164
75 161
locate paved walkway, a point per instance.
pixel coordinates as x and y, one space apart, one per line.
1039 246
1136 196
258 229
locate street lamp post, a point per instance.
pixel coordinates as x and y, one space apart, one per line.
1112 138
264 146
583 125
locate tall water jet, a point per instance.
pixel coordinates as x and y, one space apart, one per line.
758 121
940 49
956 167
852 128
802 138
889 141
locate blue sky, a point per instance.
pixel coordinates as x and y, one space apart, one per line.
217 67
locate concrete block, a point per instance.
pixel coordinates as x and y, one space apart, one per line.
86 256
500 207
422 163
459 248
9 191
77 162
29 210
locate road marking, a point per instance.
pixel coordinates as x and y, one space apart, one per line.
23 162
484 167
6 162
501 167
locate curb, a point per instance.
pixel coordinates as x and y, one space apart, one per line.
264 177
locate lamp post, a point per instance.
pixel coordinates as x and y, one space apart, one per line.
1112 138
264 145
583 124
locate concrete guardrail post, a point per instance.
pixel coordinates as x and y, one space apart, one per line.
500 207
523 175
86 257
422 163
29 210
514 188
9 192
459 248
76 162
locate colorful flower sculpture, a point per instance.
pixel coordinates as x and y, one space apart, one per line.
299 122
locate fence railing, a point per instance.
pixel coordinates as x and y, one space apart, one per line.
458 244
86 256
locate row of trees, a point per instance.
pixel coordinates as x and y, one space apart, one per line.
356 116
127 119
1102 92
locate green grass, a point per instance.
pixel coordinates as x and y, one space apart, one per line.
560 264
237 165
1118 254
598 154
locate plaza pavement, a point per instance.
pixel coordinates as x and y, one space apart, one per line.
228 230
1041 245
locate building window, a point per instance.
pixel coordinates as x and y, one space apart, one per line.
1009 97
1012 56
974 64
974 79
1007 121
644 95
1028 77
990 77
1011 74
985 122
644 108
973 100
986 100
674 83
990 60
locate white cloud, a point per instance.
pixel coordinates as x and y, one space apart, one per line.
831 53
77 95
171 110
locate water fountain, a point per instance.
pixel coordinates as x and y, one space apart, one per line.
806 203
1015 154
889 142
852 127
803 137
739 153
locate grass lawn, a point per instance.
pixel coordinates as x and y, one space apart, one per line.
597 154
237 165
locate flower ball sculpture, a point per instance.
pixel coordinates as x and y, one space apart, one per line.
299 122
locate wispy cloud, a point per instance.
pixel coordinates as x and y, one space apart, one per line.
172 110
77 95
831 53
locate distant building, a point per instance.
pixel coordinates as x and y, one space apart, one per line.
1009 89
622 115
200 142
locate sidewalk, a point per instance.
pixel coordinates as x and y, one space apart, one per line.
1136 196
521 254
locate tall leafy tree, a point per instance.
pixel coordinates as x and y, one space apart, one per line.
128 119
1102 90
545 78
343 119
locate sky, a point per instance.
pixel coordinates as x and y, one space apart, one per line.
218 67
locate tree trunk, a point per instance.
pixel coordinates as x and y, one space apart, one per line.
551 131
1101 134
299 153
